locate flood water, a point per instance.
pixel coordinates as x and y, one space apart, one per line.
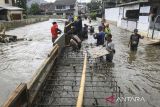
19 61
138 74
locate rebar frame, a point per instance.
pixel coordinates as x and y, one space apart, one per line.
62 85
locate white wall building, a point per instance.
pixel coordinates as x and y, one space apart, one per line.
135 15
9 12
66 7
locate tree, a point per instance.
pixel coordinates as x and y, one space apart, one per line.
94 6
35 9
22 4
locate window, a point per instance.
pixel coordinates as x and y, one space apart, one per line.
59 13
132 14
154 11
7 1
13 2
71 6
60 7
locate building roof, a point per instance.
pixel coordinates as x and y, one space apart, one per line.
65 11
48 6
65 2
132 3
10 7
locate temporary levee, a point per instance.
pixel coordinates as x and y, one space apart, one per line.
112 14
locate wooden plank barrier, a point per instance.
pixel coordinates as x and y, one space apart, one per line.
82 84
40 76
25 94
19 97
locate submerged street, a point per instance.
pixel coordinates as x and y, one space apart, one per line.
137 74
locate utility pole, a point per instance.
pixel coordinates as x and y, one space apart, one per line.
103 7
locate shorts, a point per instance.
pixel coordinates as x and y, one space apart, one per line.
53 40
109 57
133 48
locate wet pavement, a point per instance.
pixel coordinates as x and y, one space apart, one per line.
137 74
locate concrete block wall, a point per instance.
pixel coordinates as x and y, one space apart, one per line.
18 23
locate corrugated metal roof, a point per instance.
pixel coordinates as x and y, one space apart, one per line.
10 7
131 3
65 2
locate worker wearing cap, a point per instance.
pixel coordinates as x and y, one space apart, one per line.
134 40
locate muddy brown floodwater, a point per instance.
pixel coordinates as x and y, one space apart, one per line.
19 61
138 74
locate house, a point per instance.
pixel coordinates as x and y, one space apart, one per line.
141 14
39 2
9 12
48 8
109 3
66 7
82 8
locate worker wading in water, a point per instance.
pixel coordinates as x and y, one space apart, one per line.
134 40
110 48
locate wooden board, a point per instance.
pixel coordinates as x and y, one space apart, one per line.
18 97
97 52
82 85
149 41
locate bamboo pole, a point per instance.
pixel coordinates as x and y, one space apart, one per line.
82 85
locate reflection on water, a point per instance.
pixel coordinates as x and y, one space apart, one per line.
132 56
137 73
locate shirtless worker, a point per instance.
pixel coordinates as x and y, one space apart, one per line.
134 40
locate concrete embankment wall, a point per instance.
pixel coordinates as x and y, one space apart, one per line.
18 23
25 94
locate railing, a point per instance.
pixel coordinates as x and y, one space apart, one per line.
154 25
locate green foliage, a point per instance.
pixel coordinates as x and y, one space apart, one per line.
94 6
93 15
35 9
22 4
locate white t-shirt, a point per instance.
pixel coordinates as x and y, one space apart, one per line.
85 21
110 45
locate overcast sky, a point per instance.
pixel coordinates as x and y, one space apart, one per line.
78 0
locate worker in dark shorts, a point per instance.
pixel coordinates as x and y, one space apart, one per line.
134 40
